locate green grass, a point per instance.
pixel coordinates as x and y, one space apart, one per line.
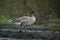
6 24
35 27
4 19
49 26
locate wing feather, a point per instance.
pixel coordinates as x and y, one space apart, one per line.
21 19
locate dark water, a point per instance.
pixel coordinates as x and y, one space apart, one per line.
29 34
17 39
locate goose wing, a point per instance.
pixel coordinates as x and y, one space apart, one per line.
21 19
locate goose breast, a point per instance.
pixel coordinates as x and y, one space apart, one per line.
31 20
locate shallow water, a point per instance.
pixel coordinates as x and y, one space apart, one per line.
18 39
30 34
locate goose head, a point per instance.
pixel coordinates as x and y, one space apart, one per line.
32 13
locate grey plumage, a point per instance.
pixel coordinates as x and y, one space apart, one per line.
24 20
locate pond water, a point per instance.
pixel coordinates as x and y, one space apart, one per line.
30 34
